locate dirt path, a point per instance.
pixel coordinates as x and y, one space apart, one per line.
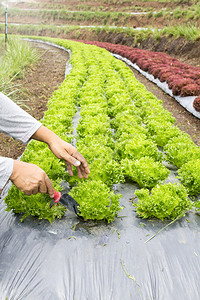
36 88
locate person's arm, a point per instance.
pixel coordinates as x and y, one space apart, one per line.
63 150
6 168
29 178
18 124
15 122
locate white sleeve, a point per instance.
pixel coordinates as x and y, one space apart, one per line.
6 168
15 122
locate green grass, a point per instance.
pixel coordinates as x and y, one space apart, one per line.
16 56
181 13
110 5
67 17
189 32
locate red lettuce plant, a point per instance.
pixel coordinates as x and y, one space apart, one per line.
196 103
190 90
161 66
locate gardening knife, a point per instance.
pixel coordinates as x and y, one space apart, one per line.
66 200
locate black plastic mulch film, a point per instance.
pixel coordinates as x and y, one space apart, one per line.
75 260
72 259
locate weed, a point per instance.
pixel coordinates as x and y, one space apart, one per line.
16 56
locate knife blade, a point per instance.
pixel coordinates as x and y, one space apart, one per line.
67 201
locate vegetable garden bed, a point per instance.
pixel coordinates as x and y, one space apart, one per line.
180 80
136 117
111 101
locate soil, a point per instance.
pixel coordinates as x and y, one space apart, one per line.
109 6
36 87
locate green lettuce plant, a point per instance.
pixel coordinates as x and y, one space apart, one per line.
180 150
167 201
145 171
189 175
161 133
99 139
159 115
130 130
96 201
95 150
135 148
94 125
108 171
94 109
127 117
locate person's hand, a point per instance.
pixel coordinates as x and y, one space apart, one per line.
71 156
63 150
31 179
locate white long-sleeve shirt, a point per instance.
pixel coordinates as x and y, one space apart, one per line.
18 124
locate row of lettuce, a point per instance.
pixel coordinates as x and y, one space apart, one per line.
182 79
121 132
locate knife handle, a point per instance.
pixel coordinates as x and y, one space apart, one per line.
57 196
